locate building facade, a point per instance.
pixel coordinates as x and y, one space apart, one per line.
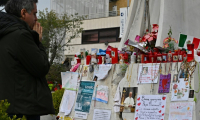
100 28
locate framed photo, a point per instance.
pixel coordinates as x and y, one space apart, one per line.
144 70
159 59
175 78
95 78
128 100
191 94
183 73
175 58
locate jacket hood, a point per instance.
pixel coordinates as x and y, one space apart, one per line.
10 23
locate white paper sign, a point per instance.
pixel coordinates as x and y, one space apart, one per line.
69 80
148 73
150 107
67 101
123 18
102 71
181 111
81 115
100 114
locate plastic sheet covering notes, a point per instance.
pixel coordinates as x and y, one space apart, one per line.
101 114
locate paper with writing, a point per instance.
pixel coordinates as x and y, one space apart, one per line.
102 71
150 107
148 73
81 115
181 111
100 114
67 101
69 80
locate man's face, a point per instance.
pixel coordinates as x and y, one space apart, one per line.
130 94
31 18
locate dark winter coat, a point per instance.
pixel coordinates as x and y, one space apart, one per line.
23 66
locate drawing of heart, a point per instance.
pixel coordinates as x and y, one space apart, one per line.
164 83
136 110
136 118
138 98
163 98
139 104
160 111
163 114
163 106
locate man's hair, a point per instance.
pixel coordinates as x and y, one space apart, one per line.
14 7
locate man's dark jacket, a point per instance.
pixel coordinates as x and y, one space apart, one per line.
23 66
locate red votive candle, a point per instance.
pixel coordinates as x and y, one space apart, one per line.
190 54
114 55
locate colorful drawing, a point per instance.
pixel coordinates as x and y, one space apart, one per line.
181 111
164 84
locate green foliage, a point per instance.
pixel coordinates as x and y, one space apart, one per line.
57 97
3 108
3 2
54 73
58 31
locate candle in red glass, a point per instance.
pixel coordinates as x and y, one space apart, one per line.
175 56
159 58
184 55
151 58
88 58
180 56
78 60
126 58
190 54
164 57
169 56
114 54
99 59
198 52
109 53
146 59
142 58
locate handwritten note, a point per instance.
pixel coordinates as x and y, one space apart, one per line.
100 114
67 101
102 71
69 80
181 111
150 107
164 84
148 73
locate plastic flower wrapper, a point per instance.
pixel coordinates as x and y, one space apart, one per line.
126 43
137 38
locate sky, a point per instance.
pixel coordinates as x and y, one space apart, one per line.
41 5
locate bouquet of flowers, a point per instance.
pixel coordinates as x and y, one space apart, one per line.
169 43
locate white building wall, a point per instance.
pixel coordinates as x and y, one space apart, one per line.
109 22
